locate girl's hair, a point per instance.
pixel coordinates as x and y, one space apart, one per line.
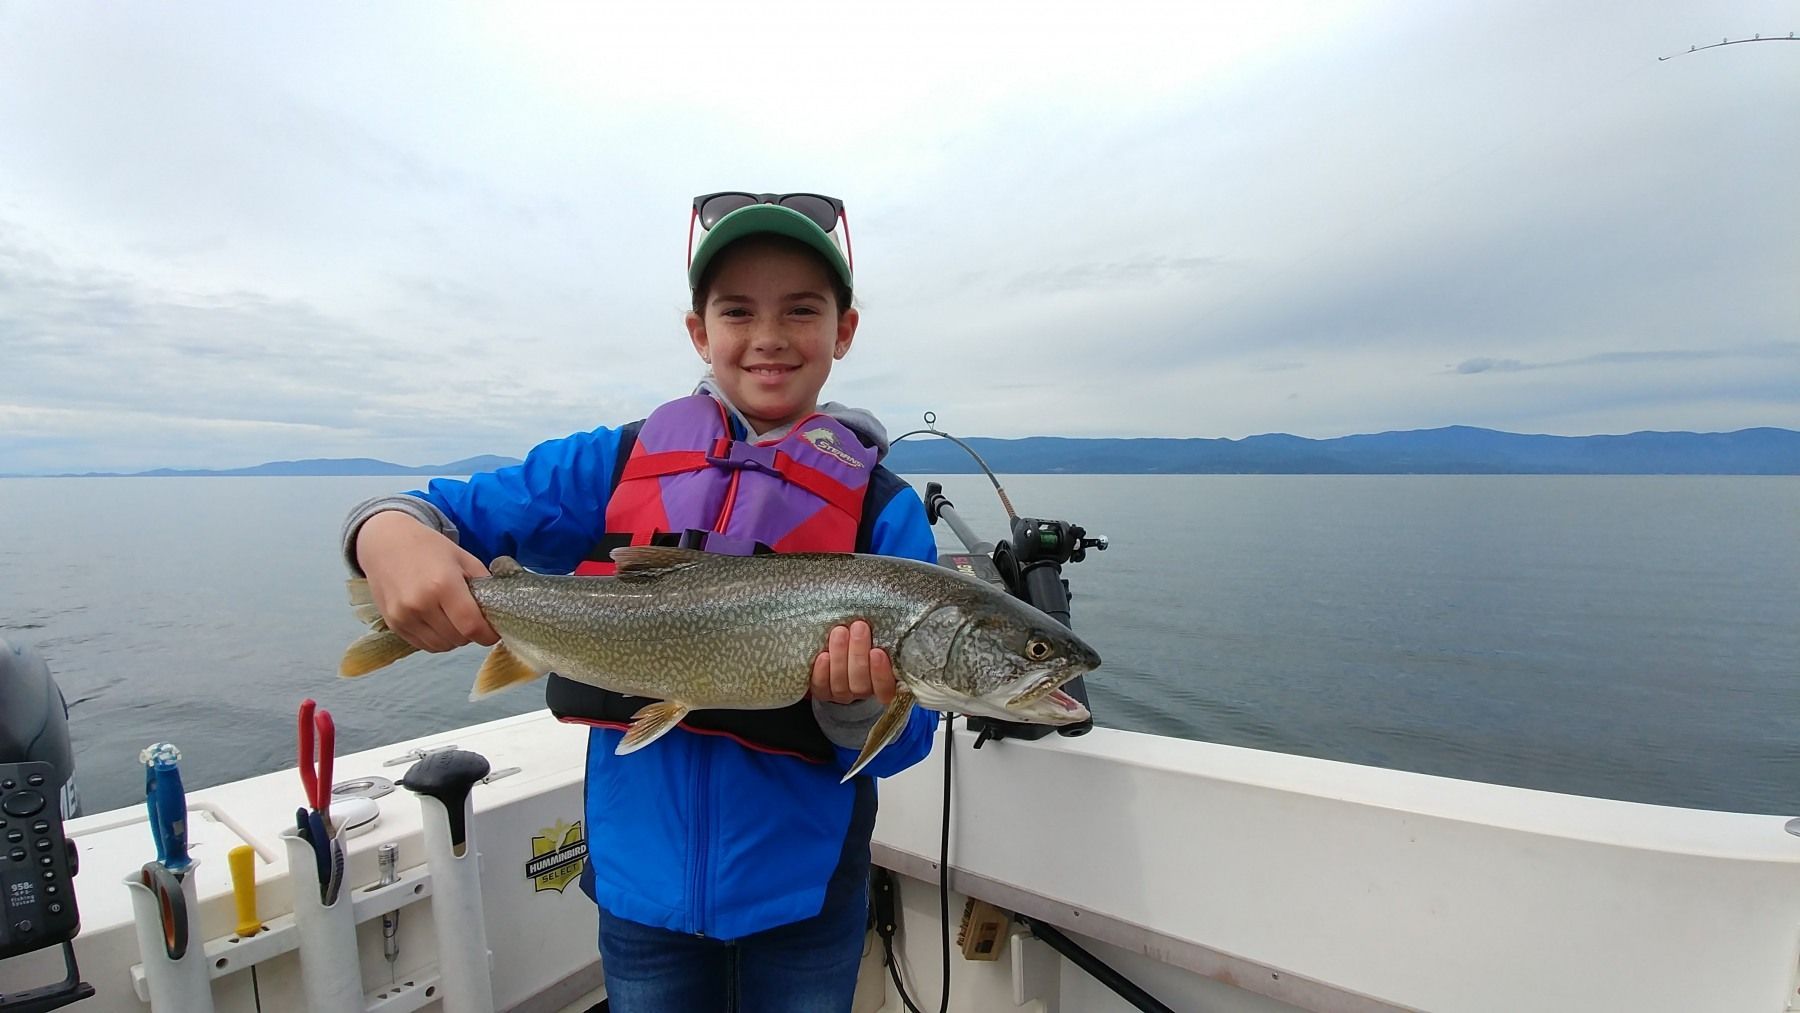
839 291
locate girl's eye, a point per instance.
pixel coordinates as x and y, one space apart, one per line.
806 311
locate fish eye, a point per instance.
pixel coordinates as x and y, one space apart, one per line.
1038 649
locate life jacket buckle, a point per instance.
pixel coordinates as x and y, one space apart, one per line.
736 455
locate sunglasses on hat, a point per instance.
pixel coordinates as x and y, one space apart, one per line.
825 212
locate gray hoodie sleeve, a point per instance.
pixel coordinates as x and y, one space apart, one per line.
412 506
847 724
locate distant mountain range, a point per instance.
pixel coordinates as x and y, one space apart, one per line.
1456 450
318 467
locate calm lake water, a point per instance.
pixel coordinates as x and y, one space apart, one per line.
1627 637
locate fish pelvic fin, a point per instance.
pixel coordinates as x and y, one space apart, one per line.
650 723
644 560
502 670
887 728
374 650
505 566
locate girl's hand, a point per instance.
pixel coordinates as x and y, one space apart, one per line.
420 583
851 668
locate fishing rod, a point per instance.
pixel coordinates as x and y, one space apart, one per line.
1029 567
1759 37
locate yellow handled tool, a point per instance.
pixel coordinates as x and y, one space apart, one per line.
242 860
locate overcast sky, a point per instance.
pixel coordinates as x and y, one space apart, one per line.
238 232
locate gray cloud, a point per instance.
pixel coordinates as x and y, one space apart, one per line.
1776 350
212 253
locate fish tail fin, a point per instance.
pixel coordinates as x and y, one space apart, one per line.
502 670
886 729
361 601
371 651
651 723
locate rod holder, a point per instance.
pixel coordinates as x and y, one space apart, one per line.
443 781
330 967
165 910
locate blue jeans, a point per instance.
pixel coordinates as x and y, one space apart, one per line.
805 967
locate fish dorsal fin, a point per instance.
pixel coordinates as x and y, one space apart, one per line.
505 566
643 560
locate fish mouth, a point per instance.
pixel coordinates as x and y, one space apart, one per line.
1053 708
1041 702
1039 685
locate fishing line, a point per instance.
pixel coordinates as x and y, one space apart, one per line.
887 941
931 429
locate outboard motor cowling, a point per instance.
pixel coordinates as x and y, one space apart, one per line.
34 719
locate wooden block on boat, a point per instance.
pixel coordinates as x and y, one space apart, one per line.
983 932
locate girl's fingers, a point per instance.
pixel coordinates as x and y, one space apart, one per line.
851 668
840 665
857 662
881 676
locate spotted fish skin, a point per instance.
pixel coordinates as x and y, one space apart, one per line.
697 630
711 633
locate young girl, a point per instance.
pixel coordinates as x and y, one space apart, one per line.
728 862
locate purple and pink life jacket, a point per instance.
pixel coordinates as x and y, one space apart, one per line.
687 482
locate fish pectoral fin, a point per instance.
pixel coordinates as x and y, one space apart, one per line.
502 669
505 566
643 560
886 729
372 651
650 723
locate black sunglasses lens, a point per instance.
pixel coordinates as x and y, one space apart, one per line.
718 207
819 210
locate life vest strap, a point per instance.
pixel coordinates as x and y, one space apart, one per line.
829 489
737 454
668 462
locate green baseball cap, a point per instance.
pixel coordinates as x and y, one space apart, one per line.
756 219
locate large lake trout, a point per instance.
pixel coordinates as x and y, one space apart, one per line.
696 630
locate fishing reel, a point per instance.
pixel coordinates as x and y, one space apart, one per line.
1029 567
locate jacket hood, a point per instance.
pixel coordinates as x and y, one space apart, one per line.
860 421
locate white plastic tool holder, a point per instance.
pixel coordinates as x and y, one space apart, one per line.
330 968
442 782
165 909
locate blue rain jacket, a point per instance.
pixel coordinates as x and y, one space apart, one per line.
694 833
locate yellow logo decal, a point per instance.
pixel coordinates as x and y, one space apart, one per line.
556 856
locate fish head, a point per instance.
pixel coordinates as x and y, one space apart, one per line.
1000 658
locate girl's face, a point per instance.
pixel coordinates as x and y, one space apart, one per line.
771 330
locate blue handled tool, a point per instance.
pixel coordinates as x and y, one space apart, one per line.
321 842
167 803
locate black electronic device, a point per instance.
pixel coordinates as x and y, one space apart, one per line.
37 862
37 882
